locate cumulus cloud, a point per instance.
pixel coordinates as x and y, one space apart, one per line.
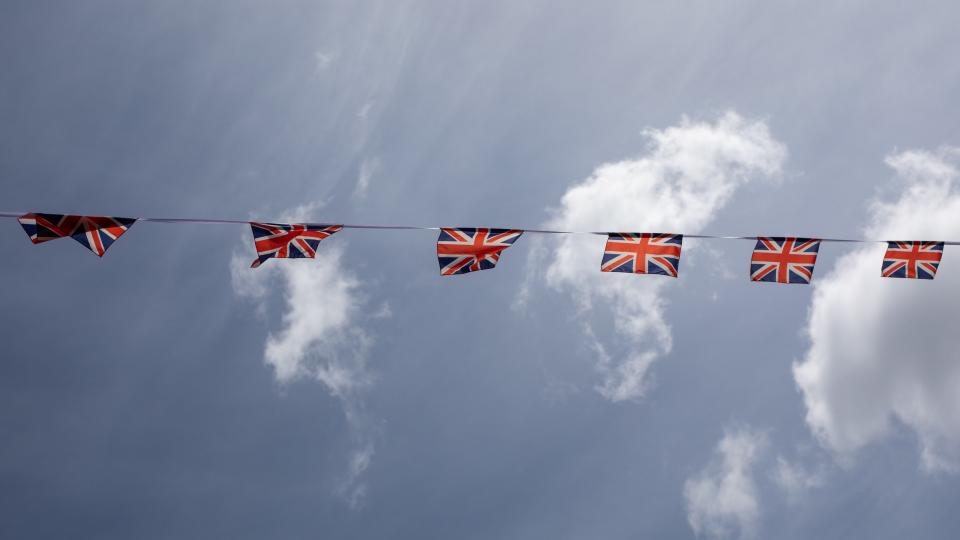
321 335
885 350
722 498
689 173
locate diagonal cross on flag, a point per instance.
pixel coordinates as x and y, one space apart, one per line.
642 253
912 260
784 259
463 250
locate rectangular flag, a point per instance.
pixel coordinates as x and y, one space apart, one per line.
96 233
296 241
642 253
784 259
462 250
912 260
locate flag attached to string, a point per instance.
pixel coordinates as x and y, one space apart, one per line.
297 241
912 260
642 253
784 260
96 233
464 250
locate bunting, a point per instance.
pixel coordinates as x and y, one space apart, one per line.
776 259
784 260
96 233
465 250
642 253
297 241
912 260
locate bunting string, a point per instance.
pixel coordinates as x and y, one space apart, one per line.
208 221
785 259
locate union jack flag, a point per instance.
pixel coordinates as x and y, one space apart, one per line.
642 253
297 241
96 233
913 260
464 250
784 260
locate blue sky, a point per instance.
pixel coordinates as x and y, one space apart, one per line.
167 390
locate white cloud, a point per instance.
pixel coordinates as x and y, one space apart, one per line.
383 312
885 349
353 489
324 59
722 498
364 113
794 479
321 337
689 173
368 167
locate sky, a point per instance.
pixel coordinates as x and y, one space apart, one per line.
168 390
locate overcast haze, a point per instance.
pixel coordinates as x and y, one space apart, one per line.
169 391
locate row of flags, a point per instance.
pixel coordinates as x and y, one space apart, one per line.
464 250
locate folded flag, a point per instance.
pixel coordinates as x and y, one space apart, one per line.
96 233
642 253
912 260
466 250
784 260
297 241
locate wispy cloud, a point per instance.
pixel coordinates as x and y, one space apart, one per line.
795 479
324 59
354 489
722 499
364 113
368 167
688 174
887 348
321 335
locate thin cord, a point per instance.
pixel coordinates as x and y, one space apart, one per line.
203 221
